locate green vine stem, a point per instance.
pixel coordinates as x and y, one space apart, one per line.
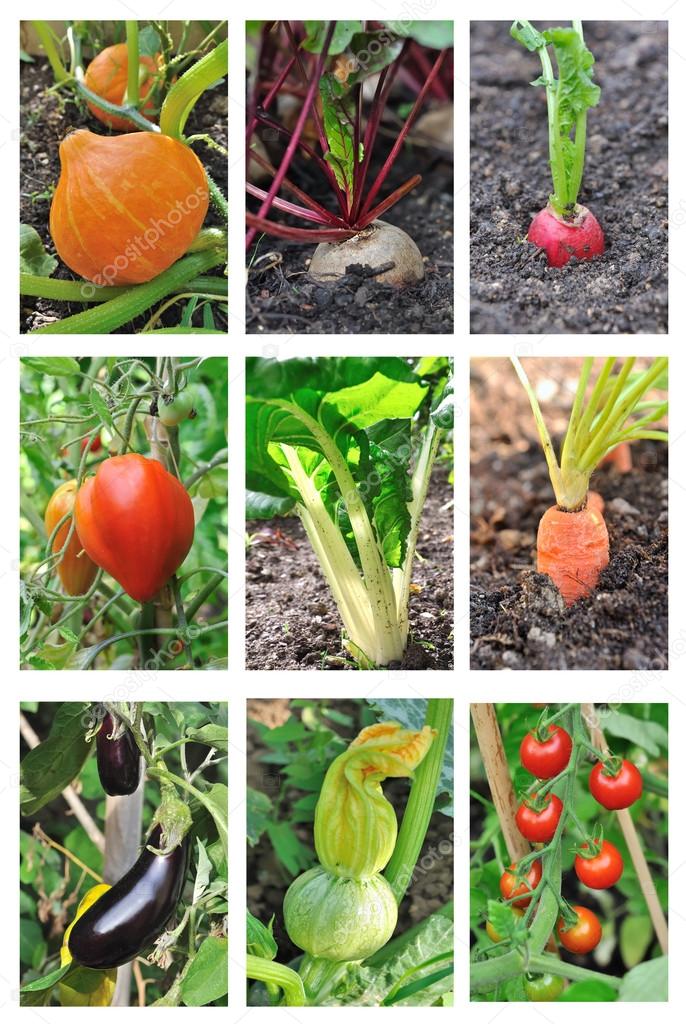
217 197
83 291
129 112
106 317
132 91
44 33
421 801
67 291
271 973
186 92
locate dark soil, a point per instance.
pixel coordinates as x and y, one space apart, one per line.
46 118
282 300
267 884
513 291
518 619
291 618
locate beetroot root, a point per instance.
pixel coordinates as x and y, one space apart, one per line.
561 239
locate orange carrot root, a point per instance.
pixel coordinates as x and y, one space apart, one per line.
596 502
573 548
620 457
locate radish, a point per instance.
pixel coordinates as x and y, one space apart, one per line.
582 236
564 228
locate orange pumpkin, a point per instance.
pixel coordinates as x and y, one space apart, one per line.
126 206
76 570
107 75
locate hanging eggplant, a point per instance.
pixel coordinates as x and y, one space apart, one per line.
134 912
119 760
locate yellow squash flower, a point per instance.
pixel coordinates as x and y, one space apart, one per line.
355 827
101 984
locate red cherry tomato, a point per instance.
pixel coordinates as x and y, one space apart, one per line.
615 792
509 887
94 446
546 758
584 935
539 826
601 871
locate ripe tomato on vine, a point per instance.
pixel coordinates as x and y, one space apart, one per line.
602 870
538 826
582 936
615 785
510 887
546 752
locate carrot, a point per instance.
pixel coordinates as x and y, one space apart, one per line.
620 457
573 545
573 548
595 501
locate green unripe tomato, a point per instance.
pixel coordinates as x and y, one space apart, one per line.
543 988
177 410
339 918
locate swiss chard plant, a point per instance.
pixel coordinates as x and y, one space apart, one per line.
349 443
323 66
343 911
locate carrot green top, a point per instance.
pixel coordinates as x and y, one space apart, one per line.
613 412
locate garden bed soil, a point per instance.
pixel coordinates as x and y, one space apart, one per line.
430 889
513 290
292 621
518 620
281 298
46 118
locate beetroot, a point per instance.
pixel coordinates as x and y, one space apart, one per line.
561 237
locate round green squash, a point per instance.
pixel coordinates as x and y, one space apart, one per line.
339 918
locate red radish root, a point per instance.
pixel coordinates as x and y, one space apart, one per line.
573 548
581 237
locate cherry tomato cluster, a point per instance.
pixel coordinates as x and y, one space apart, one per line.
615 784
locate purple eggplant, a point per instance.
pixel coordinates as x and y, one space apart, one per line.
129 917
119 761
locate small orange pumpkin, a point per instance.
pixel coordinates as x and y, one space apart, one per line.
76 570
107 75
126 206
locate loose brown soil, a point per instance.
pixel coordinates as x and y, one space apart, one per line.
518 620
291 618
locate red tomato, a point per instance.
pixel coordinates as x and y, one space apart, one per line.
615 792
94 446
601 871
546 758
509 887
584 935
135 520
539 826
